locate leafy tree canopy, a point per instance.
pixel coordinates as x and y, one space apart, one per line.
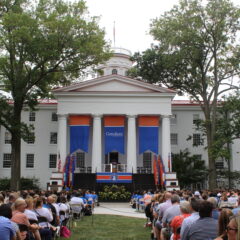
42 44
197 53
189 169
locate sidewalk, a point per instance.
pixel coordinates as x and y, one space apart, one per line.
122 209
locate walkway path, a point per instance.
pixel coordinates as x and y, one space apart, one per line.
122 209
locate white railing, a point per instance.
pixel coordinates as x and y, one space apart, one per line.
114 167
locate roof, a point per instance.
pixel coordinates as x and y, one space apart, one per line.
174 102
122 81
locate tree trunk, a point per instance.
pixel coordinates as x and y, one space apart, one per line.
16 148
229 166
211 159
16 162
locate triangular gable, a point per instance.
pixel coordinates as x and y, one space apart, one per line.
114 83
113 86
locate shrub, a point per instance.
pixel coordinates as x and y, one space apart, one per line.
25 183
114 193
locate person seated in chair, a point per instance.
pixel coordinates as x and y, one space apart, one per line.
55 211
76 204
7 231
44 216
64 209
19 217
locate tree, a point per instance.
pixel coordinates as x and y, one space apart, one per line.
227 130
42 44
190 170
197 54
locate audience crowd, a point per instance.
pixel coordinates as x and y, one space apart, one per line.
190 215
176 215
40 215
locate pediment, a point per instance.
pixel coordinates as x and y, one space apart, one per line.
114 83
113 86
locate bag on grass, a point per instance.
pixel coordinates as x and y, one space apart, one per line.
65 232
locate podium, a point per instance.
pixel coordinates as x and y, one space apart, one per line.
114 167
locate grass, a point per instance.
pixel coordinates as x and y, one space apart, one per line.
110 227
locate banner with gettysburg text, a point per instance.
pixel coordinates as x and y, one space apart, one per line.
148 134
114 134
79 132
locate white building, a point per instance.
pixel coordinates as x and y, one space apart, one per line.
110 95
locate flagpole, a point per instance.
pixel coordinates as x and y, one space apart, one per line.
114 39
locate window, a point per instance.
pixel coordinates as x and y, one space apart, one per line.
32 116
114 71
31 138
173 119
195 118
30 161
8 137
174 138
80 159
54 117
52 160
7 159
147 160
197 140
53 138
219 164
198 157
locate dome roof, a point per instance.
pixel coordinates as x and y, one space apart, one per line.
119 50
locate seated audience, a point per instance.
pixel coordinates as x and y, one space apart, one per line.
177 221
205 227
7 230
223 221
233 228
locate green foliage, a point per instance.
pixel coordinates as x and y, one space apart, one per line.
197 54
26 183
114 192
224 175
189 169
43 44
4 184
228 126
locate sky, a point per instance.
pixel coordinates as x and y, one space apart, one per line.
132 20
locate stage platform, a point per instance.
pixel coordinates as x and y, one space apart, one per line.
139 181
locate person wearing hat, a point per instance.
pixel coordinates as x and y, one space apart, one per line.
197 195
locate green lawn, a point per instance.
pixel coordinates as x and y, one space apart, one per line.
110 227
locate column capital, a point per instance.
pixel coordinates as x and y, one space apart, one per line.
62 116
97 115
166 116
131 115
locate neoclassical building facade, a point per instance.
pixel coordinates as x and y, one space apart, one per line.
108 122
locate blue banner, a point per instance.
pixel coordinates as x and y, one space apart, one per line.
148 139
114 139
79 138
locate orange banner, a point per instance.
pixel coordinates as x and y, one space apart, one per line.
114 121
148 121
76 120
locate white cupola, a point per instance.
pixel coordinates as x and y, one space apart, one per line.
118 64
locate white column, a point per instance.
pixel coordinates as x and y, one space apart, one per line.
166 142
62 137
131 145
97 144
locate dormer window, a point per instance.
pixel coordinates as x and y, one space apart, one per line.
114 71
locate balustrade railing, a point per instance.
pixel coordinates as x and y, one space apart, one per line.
114 167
